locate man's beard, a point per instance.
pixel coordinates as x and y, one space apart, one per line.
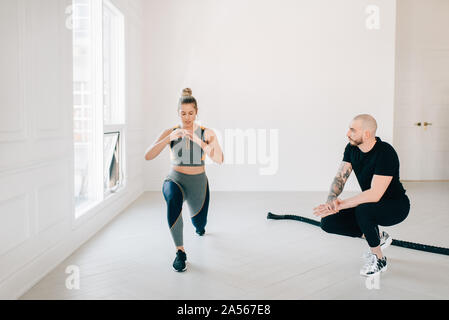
355 142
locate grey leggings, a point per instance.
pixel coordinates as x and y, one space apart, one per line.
193 189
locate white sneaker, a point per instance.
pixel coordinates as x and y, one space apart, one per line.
385 240
373 265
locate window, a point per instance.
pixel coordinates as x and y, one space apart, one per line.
112 176
99 104
113 69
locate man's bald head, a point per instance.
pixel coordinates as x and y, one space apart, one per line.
367 122
362 129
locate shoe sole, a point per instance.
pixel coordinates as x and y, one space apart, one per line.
371 275
180 271
201 234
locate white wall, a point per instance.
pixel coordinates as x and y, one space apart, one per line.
37 227
302 67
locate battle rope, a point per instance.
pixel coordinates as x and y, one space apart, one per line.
398 243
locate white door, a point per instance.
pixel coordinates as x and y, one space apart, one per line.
421 133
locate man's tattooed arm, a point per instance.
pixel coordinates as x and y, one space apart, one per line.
339 182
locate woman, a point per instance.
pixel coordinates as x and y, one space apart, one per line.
187 181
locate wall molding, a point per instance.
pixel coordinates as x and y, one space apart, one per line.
25 198
39 154
21 133
32 166
59 185
56 128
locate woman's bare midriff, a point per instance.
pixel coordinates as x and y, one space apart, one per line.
190 170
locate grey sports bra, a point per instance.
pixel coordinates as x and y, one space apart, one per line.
186 153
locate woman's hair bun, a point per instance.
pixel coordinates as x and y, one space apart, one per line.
187 92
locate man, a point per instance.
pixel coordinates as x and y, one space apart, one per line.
383 200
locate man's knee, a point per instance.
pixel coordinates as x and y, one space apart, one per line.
326 225
365 214
365 209
365 206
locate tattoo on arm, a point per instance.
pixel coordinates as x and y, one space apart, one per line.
339 181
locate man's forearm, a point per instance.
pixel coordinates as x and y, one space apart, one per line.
336 188
368 196
339 181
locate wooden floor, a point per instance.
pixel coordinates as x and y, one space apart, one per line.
245 256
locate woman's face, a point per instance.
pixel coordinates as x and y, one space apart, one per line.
188 114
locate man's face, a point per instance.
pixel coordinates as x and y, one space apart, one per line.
355 133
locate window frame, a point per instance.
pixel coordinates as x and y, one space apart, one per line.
101 196
121 129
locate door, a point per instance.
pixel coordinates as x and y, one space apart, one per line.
421 125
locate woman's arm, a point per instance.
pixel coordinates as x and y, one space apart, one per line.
161 142
212 147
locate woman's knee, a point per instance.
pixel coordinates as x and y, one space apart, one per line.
172 193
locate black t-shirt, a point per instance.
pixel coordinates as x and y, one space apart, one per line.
381 160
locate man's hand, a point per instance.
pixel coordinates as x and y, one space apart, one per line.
331 203
323 211
328 209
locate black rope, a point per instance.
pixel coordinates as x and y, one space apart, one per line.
397 243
